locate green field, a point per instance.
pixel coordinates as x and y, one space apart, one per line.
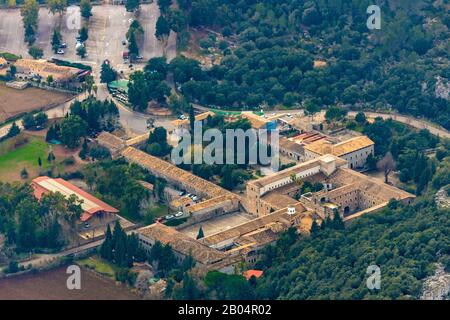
25 156
99 265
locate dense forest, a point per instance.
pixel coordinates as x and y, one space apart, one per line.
269 49
331 264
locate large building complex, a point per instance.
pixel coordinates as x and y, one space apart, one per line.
275 203
311 145
344 191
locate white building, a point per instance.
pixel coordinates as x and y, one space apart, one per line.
355 150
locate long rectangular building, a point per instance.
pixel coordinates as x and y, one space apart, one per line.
94 209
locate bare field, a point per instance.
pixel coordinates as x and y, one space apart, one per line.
51 285
14 102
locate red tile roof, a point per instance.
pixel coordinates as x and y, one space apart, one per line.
91 205
250 273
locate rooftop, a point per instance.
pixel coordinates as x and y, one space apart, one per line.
210 202
252 273
182 243
110 141
278 200
260 223
170 171
354 144
295 169
45 68
257 122
90 204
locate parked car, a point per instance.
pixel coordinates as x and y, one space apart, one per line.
182 193
139 57
87 225
169 216
63 45
60 51
195 198
179 214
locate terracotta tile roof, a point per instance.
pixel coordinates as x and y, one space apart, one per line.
351 145
182 243
169 171
252 273
45 69
91 205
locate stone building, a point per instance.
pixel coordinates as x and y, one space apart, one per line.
355 150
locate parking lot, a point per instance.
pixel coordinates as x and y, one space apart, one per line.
216 225
107 28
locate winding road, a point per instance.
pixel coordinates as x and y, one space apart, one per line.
408 120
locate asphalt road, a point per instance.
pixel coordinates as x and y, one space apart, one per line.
409 120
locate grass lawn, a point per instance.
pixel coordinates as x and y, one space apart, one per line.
99 265
13 160
157 210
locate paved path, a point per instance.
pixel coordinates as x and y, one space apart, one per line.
409 120
42 259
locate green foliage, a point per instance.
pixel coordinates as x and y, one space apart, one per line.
117 183
122 250
36 52
13 131
98 115
132 5
108 74
31 122
86 8
222 286
405 241
73 128
157 143
273 61
31 224
200 234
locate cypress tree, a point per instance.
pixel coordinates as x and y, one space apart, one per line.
314 228
106 248
200 234
338 223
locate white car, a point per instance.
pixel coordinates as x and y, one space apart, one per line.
169 216
179 214
60 51
194 198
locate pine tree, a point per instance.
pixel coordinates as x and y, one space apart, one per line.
200 234
338 223
13 131
39 162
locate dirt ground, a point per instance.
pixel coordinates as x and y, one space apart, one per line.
51 285
14 102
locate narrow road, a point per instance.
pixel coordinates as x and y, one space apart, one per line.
408 120
43 259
